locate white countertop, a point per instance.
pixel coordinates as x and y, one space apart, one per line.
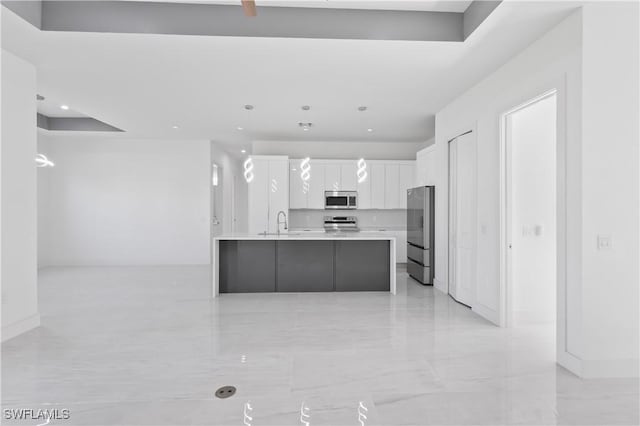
310 235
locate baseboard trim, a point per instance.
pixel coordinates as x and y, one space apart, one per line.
19 327
605 368
440 285
570 362
486 313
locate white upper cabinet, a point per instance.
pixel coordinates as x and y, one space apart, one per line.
392 186
348 178
332 177
364 190
407 180
385 185
297 193
278 191
315 196
268 192
378 185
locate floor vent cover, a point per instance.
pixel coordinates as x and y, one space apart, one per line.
226 392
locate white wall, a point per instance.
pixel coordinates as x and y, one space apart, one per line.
532 148
18 181
426 165
339 150
592 57
125 202
610 135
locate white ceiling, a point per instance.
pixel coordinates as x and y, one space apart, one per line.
421 5
146 84
52 108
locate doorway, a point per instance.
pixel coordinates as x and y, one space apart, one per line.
530 148
462 218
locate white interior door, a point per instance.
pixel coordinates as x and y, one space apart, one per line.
462 218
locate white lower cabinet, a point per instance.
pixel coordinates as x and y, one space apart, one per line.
268 192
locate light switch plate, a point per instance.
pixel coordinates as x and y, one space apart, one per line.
604 242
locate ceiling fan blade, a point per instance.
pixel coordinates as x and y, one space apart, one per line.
249 7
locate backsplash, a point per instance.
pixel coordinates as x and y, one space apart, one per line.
367 219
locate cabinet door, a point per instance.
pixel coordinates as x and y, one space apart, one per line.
297 193
315 196
392 186
332 177
348 180
364 190
258 195
278 191
406 182
377 176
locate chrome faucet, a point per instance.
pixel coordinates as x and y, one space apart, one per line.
285 220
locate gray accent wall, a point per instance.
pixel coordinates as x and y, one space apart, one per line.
141 17
30 11
229 20
476 13
77 124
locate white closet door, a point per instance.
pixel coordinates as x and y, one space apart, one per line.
462 218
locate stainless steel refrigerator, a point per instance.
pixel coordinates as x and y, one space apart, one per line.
420 233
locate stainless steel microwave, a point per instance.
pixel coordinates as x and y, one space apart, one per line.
340 200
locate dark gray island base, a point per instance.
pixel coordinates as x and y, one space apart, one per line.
253 266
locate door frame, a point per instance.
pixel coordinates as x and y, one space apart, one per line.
507 208
559 87
468 129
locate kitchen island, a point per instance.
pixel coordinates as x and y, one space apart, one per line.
304 262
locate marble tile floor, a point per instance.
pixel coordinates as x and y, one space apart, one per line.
147 346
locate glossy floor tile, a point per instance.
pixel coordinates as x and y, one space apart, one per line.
147 346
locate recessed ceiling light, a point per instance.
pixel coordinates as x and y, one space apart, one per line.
369 130
362 108
64 107
306 107
248 107
175 127
243 151
240 128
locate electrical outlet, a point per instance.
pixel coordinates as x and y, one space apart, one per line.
604 242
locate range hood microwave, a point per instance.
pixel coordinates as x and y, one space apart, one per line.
340 200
